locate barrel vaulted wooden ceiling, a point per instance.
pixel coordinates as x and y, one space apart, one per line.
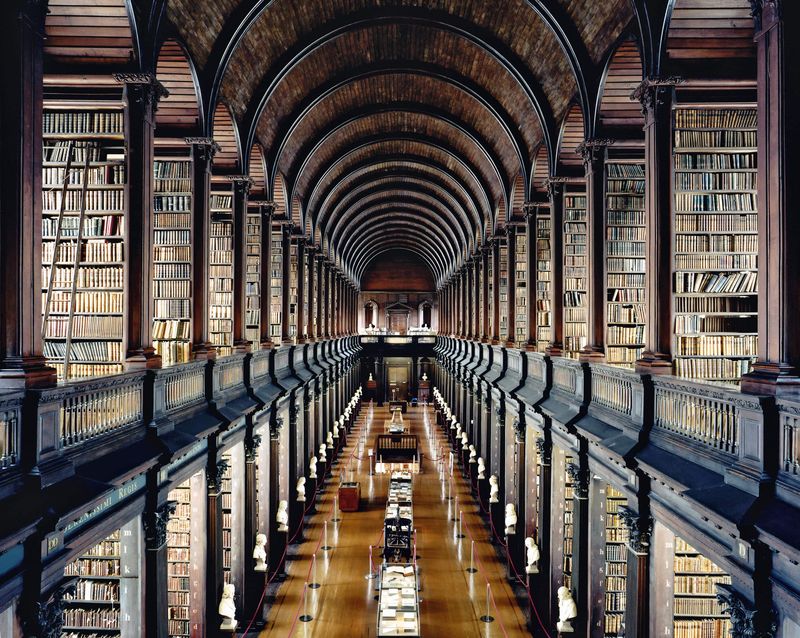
377 125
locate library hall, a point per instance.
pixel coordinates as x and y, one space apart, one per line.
399 318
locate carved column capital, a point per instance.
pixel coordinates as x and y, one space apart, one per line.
275 427
745 621
592 150
519 429
579 479
554 187
251 446
155 524
214 477
206 147
241 183
544 450
49 619
639 529
142 88
759 7
650 91
501 416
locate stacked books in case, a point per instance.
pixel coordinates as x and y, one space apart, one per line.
575 317
398 608
697 613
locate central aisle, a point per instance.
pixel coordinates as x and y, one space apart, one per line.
452 600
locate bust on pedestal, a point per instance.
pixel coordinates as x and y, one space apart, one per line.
481 468
282 516
329 440
494 489
511 519
312 468
473 454
532 556
464 441
227 608
301 489
323 454
567 610
260 553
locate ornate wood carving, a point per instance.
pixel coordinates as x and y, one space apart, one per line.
155 524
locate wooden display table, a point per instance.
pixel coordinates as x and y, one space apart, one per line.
349 496
403 405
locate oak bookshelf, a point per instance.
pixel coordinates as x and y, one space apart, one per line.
253 292
179 554
575 236
543 279
220 322
276 283
521 286
505 301
84 203
715 241
616 565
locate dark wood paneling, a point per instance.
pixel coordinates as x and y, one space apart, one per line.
398 270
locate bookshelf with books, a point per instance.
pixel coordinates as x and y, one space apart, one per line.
276 283
232 502
567 530
697 613
220 315
543 269
616 563
490 291
575 275
252 324
521 286
84 203
626 310
172 258
293 280
105 599
503 294
226 494
715 242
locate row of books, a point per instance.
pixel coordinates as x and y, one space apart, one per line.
172 271
86 276
172 253
716 243
686 202
171 237
105 618
83 327
697 606
92 567
708 628
726 118
92 226
95 591
716 262
700 222
91 250
712 369
625 295
172 308
172 203
716 345
173 351
77 200
178 557
85 351
96 302
617 264
743 282
172 289
715 161
80 152
708 181
172 169
57 176
630 233
625 249
82 122
621 335
696 324
171 329
627 355
721 139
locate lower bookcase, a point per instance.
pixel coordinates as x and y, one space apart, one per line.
185 557
232 495
616 565
105 598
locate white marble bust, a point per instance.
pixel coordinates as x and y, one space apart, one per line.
312 468
227 608
329 440
473 454
532 556
370 377
511 519
301 489
567 610
323 453
481 468
464 441
282 516
260 553
494 489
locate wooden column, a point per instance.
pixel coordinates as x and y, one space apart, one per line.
311 270
495 291
530 209
214 553
254 581
203 151
511 292
777 58
286 234
637 610
320 272
485 256
241 188
593 152
154 581
141 94
581 480
555 191
21 361
544 593
267 210
476 296
655 94
276 540
302 328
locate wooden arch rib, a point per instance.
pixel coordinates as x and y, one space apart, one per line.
399 212
419 168
425 145
225 134
541 169
372 156
400 119
392 234
572 134
425 87
413 20
256 169
180 111
518 193
357 219
617 111
370 183
279 197
296 210
90 32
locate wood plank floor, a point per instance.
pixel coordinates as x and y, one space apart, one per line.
452 600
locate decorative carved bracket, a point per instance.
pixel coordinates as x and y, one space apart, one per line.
579 479
554 187
215 480
501 416
241 183
745 622
650 91
142 88
639 529
206 146
275 428
592 150
544 450
49 618
519 430
251 446
155 524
